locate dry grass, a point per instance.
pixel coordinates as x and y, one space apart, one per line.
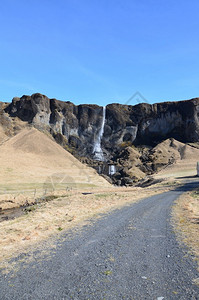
31 160
186 217
179 169
8 201
185 158
68 210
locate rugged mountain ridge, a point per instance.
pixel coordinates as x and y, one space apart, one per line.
138 124
76 127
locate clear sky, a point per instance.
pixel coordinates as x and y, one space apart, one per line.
99 51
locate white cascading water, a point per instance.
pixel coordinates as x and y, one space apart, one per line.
97 149
111 170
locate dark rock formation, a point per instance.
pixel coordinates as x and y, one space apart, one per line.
149 124
139 124
76 127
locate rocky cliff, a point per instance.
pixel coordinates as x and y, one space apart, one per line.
77 127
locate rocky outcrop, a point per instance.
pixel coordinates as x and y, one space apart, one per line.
76 127
33 109
125 124
149 124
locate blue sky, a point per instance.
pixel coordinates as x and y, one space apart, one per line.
89 51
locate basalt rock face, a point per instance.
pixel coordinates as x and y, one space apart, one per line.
33 109
78 126
148 124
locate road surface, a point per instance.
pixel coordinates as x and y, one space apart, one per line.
131 253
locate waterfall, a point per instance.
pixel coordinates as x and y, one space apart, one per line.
97 149
111 170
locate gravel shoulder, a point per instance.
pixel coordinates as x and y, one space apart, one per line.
131 253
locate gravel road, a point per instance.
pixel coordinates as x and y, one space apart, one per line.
131 253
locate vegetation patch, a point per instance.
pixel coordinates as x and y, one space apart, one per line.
102 195
30 208
108 272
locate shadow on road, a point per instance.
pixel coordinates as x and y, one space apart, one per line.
188 185
188 177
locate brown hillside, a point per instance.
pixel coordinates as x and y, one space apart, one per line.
31 157
183 158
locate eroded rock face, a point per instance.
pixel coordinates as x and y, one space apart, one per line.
148 124
125 125
33 109
76 128
77 124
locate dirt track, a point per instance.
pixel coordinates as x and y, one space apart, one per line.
131 253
